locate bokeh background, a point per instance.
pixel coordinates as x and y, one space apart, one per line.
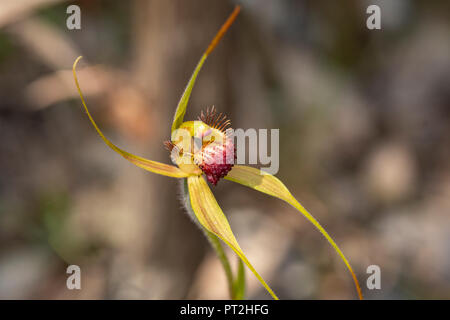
364 119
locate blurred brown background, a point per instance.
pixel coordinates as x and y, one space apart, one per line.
364 145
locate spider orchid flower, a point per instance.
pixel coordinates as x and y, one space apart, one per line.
211 159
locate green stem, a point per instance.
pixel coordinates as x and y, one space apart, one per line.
239 284
217 246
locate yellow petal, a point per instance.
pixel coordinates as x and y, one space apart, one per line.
149 165
212 219
182 104
266 183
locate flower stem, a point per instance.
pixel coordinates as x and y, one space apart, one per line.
239 283
217 246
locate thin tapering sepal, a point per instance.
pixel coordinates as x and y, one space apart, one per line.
235 292
149 165
211 217
182 104
269 184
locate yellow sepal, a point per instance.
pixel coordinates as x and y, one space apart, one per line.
182 104
149 165
211 217
271 185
